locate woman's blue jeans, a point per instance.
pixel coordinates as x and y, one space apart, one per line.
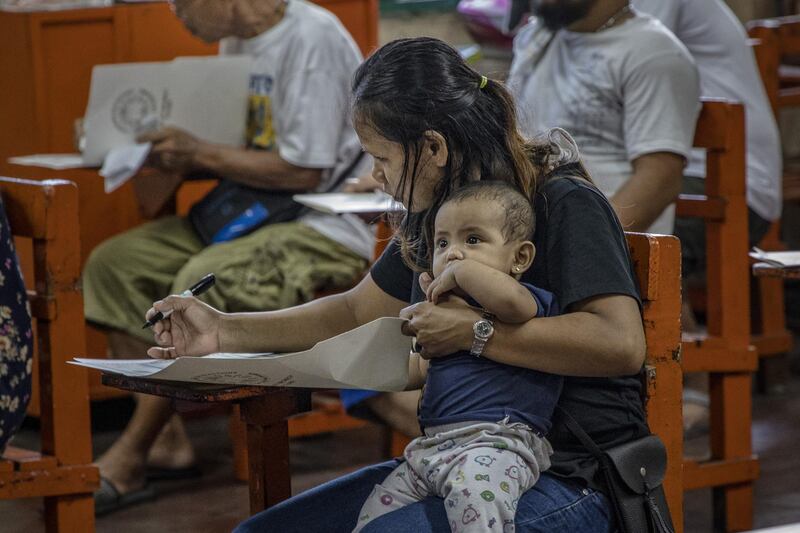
552 505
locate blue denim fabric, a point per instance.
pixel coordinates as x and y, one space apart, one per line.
552 505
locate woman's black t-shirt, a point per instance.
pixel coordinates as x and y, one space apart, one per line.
580 253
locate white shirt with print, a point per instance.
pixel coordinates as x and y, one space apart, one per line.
728 69
622 93
300 104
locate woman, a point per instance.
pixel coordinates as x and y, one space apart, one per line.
432 124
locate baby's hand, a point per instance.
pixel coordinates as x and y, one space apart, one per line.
444 283
425 281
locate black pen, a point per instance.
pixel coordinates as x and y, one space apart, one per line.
195 290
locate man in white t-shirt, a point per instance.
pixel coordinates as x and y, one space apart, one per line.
299 139
728 69
624 87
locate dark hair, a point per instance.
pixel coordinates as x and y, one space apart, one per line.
410 86
519 220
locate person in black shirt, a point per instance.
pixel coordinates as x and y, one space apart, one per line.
433 124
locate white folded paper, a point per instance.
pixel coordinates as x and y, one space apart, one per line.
206 96
338 203
54 161
373 356
122 163
777 259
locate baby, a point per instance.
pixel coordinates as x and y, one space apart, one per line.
483 422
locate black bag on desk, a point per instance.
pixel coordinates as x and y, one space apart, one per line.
633 474
233 210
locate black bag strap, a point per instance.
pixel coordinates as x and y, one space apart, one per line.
657 523
582 436
304 210
346 172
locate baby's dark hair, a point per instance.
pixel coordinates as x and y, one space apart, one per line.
520 220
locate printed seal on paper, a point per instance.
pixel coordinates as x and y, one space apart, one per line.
132 108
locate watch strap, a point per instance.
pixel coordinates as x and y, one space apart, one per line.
478 343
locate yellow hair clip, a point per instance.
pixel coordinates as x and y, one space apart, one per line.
484 81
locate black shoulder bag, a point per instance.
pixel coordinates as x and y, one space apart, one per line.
233 210
633 473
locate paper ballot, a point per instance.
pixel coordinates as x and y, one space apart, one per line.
206 96
341 202
373 356
122 163
54 161
787 260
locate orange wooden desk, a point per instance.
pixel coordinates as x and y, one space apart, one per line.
264 410
764 270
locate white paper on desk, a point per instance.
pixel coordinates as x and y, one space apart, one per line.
778 259
206 96
54 161
122 163
373 356
340 202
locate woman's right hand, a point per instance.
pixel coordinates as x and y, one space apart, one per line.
191 330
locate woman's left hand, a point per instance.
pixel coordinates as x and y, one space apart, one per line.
441 329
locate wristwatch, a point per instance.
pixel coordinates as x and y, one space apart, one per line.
483 330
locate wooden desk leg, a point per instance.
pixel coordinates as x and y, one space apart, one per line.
731 418
268 448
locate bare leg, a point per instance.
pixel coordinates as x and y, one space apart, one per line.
124 463
398 410
172 448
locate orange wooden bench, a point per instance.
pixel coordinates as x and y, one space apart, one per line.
725 353
47 213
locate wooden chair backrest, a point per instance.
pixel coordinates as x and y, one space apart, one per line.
720 130
47 213
656 260
780 40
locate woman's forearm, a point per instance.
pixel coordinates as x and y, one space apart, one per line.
574 344
602 337
299 328
286 330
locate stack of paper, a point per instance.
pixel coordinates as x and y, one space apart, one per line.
359 203
373 356
788 260
54 161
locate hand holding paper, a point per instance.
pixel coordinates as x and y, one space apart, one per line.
174 149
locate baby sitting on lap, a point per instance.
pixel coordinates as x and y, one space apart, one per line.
483 422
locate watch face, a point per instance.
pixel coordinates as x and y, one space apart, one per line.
483 329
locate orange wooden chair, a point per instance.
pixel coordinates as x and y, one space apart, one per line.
47 213
725 353
657 265
776 39
781 43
